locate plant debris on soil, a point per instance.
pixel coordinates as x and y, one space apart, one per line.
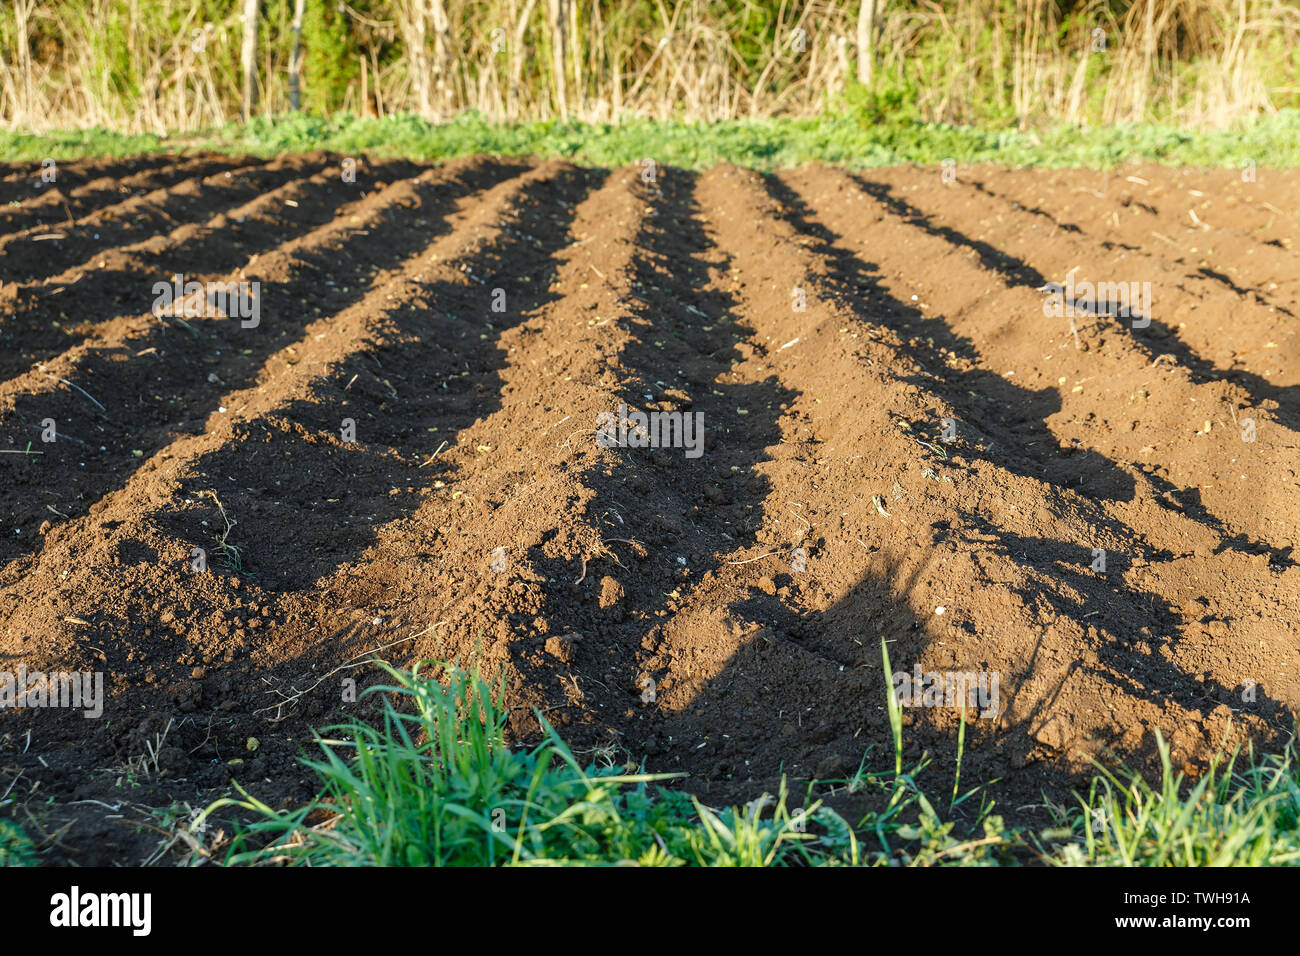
400 459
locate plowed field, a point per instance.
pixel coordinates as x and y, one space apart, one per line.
400 457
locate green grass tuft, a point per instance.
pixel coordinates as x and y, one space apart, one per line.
1231 816
434 783
16 847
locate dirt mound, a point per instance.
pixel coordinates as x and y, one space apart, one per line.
399 451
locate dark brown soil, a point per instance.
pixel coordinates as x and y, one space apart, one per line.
475 430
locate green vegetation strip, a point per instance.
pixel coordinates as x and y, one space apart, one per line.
845 139
433 782
430 780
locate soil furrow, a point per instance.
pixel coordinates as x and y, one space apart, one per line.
1192 541
1202 326
1127 218
575 567
861 429
157 378
46 317
1067 372
66 201
1259 202
27 258
21 182
1018 565
295 589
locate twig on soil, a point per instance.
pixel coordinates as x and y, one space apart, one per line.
12 784
759 558
637 547
64 436
193 330
434 455
569 438
962 847
349 663
206 737
48 838
99 803
431 627
177 835
72 385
